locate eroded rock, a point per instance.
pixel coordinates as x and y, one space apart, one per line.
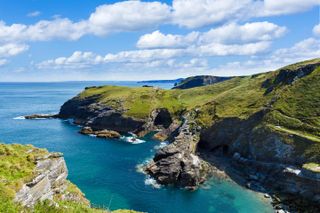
51 179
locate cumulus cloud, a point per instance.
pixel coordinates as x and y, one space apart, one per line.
316 30
159 40
11 49
128 16
227 34
77 60
42 31
276 7
231 39
186 61
198 13
217 49
86 59
302 50
138 15
249 32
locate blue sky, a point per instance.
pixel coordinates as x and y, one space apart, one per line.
58 40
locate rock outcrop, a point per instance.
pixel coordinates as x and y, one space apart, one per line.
51 179
89 112
177 163
40 116
100 133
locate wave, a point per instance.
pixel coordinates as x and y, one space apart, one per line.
149 181
19 118
132 140
161 145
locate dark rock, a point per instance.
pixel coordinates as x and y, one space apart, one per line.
177 163
89 112
40 116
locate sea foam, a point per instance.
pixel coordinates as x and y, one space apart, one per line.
19 118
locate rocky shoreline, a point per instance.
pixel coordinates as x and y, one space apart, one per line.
182 163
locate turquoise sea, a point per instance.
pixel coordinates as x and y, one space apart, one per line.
106 170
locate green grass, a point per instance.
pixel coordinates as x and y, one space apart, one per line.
239 97
314 167
295 108
17 166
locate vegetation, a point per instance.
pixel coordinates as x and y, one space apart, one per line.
17 166
291 95
139 102
314 167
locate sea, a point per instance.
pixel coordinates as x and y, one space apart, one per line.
108 171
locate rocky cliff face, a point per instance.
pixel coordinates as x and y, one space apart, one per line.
88 112
51 180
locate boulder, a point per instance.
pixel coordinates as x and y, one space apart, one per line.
86 130
107 134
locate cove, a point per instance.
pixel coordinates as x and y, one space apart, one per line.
106 170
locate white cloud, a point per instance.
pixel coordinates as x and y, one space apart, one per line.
303 50
34 14
3 62
316 30
170 63
159 40
128 16
148 56
42 31
197 13
137 15
121 16
11 49
281 7
217 49
77 60
227 34
230 39
249 32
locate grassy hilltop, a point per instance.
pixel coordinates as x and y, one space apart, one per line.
238 97
291 94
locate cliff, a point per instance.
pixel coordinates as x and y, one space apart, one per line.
34 180
271 117
198 81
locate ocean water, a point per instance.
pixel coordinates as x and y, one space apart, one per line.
106 170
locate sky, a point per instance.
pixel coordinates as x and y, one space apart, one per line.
73 40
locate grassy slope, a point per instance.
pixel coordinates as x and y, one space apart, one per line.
17 164
297 104
296 109
139 102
